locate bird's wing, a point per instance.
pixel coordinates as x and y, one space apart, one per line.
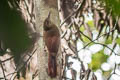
52 43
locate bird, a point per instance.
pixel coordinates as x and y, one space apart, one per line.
51 36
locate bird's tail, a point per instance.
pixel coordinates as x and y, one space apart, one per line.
52 66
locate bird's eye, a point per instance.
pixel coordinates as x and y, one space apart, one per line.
47 23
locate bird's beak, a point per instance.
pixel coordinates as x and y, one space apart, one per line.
49 15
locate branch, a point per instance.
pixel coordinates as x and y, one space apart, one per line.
7 59
113 72
24 63
3 70
75 12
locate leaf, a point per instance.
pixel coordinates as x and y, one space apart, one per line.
82 28
109 40
118 41
97 60
90 23
85 39
107 73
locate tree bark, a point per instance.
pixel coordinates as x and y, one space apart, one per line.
41 11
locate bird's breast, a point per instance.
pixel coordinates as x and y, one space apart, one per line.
52 41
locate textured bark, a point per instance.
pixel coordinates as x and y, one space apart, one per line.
41 11
25 11
51 36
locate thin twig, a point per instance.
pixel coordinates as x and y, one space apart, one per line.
93 41
66 31
75 12
113 72
7 59
101 35
25 63
107 47
3 70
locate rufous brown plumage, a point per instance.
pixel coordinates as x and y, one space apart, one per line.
52 41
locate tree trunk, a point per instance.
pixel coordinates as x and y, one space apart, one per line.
42 9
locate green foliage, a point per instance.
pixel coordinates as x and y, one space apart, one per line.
13 29
113 5
97 60
106 73
109 40
118 41
91 23
85 39
82 28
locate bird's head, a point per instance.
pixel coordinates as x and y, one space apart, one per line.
47 23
